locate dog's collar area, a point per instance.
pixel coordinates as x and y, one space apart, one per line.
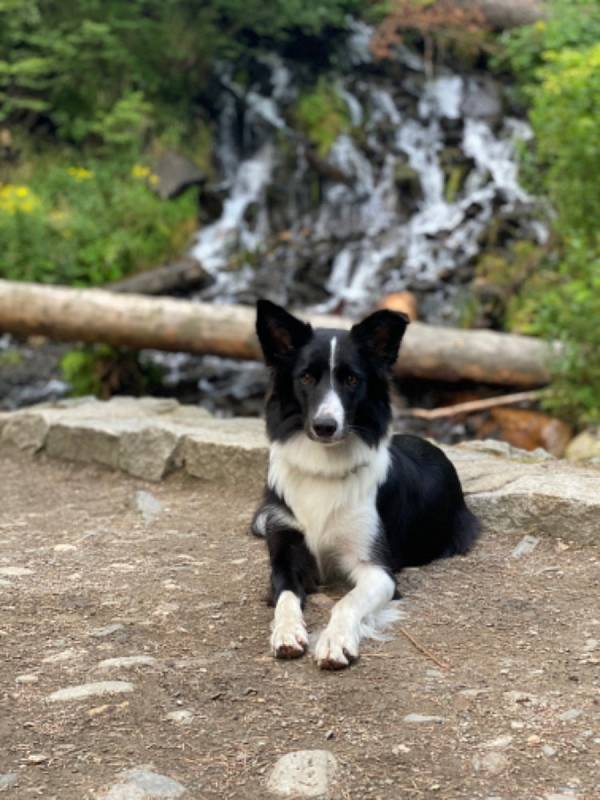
333 476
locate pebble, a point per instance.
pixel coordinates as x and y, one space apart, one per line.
107 630
126 662
423 718
148 506
499 743
64 548
29 677
526 545
560 796
70 654
15 572
85 690
7 780
37 758
493 763
303 773
548 751
5 584
183 716
472 692
570 715
143 784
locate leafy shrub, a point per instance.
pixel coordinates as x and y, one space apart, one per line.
103 371
88 225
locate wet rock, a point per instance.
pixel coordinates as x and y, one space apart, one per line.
408 182
585 446
86 690
482 99
144 784
405 302
303 773
175 174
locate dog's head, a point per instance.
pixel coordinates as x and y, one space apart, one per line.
329 383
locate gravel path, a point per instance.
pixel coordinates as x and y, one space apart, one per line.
134 660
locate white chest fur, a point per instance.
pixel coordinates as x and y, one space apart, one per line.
332 492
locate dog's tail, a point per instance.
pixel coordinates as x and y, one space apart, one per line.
465 532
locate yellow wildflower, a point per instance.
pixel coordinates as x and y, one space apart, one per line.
80 173
14 199
140 171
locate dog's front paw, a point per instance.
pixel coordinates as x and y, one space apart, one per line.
337 647
289 640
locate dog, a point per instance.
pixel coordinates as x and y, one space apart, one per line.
343 495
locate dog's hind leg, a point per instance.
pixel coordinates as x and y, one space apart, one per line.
338 644
293 574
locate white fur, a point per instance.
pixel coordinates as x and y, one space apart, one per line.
332 492
273 514
331 407
289 635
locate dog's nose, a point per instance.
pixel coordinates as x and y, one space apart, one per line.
325 427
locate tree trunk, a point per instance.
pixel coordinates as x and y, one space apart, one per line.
95 315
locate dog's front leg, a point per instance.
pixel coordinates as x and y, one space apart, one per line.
338 644
292 576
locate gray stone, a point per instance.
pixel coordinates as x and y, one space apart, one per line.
148 506
85 690
70 654
525 546
175 173
15 572
499 743
585 446
143 784
303 773
570 715
423 718
492 763
7 780
127 662
107 630
27 678
147 453
183 716
25 431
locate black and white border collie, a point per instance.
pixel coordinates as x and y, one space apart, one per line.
343 495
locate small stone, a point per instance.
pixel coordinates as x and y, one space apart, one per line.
303 773
548 751
70 654
526 545
570 715
127 662
28 678
493 763
471 693
517 725
5 584
400 748
107 630
423 718
499 743
560 796
533 739
37 758
590 645
15 572
148 506
143 784
64 548
85 690
7 780
182 716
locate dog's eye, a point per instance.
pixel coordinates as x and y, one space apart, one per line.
351 380
307 379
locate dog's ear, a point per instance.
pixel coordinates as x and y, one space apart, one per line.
279 333
380 335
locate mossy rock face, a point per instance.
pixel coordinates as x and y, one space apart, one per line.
408 181
322 115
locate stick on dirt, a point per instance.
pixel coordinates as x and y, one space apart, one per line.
424 650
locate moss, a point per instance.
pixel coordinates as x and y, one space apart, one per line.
322 115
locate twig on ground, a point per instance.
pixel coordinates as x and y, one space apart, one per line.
472 405
424 650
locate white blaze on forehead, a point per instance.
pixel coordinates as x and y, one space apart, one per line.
333 346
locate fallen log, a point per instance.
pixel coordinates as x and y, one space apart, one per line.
178 276
136 321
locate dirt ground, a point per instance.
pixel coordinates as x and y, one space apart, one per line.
518 704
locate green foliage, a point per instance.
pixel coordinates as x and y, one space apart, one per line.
322 115
103 371
88 226
558 62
